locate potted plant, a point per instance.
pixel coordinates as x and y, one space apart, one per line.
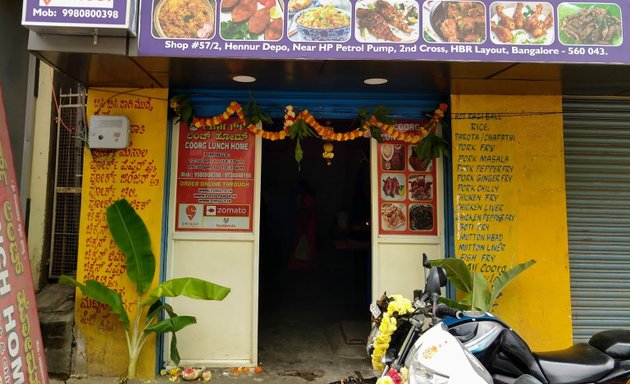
153 315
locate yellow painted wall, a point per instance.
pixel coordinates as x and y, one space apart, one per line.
137 174
525 205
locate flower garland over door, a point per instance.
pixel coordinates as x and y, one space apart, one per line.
297 125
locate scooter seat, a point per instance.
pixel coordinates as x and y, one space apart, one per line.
613 342
580 363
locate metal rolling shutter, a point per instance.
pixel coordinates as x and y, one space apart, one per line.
597 161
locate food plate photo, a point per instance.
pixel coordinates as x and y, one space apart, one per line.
522 23
393 186
596 24
421 217
251 19
322 20
386 21
393 217
420 187
183 19
442 21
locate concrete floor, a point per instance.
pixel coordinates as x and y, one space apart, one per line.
310 331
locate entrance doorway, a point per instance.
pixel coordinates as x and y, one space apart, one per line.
315 256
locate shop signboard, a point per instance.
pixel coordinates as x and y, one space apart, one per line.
81 17
491 31
215 177
21 347
406 195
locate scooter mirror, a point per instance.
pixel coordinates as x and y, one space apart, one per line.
425 261
442 275
434 282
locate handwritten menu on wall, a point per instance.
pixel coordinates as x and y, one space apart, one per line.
484 189
21 347
215 178
407 192
135 173
509 200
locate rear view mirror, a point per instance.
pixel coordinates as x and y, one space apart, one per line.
435 280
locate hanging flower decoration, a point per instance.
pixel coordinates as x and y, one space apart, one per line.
398 306
328 152
374 125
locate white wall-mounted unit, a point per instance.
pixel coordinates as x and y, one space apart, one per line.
108 132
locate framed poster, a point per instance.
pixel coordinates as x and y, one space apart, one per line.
406 190
215 178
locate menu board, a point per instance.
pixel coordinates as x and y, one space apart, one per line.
485 190
215 177
407 190
111 17
553 31
21 347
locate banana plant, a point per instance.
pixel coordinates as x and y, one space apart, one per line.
478 293
152 315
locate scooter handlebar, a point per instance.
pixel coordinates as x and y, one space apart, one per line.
444 310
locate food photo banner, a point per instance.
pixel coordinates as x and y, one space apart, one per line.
558 31
407 198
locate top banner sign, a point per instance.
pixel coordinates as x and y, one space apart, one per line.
558 31
110 17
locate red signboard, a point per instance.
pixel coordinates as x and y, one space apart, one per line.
407 188
21 347
215 178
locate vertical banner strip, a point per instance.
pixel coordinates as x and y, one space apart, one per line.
21 345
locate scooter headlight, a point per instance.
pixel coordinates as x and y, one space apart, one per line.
420 374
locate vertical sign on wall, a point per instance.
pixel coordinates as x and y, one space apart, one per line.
215 178
21 348
407 197
510 205
135 173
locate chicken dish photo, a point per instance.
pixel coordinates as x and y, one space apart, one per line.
251 20
387 21
522 23
457 22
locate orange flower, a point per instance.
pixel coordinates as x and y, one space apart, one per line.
443 107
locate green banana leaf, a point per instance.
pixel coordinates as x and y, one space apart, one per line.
480 293
101 293
172 325
506 277
132 237
187 286
453 303
456 272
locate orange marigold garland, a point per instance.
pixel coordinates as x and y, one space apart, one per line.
327 133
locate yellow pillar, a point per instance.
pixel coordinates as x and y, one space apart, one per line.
135 173
510 200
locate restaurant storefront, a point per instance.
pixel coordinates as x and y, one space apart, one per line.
226 199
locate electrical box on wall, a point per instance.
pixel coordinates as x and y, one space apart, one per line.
108 132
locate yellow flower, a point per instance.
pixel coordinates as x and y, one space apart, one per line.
385 380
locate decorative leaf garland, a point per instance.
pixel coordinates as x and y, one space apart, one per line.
300 125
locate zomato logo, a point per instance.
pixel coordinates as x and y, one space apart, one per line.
227 210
